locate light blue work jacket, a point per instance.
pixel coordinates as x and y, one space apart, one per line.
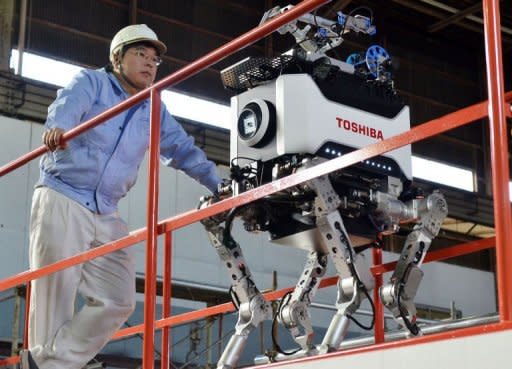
99 166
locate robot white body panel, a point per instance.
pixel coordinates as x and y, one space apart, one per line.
306 120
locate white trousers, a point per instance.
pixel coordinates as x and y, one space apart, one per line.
59 336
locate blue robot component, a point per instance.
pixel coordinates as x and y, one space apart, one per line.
355 59
376 56
342 18
323 33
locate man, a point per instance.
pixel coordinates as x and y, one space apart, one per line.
75 202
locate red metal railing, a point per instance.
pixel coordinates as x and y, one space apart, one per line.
495 108
499 154
152 241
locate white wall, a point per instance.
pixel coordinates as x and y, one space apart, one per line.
16 138
193 257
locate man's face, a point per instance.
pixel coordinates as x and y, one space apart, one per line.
139 65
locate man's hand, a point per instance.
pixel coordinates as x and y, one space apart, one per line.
52 139
222 193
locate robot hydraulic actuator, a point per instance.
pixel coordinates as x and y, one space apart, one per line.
290 113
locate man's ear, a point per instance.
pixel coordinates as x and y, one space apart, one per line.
116 60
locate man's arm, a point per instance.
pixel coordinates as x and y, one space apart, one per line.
68 108
177 150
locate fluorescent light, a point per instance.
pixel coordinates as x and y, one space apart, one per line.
435 171
44 69
195 109
180 105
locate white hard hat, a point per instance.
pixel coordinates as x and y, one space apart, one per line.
135 33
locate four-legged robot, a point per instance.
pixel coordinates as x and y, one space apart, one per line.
291 113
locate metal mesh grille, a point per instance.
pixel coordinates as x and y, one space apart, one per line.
254 71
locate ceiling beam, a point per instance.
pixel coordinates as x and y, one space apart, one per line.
433 13
6 30
133 11
242 7
436 14
453 10
180 24
455 18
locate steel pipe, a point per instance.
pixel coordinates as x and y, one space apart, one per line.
21 35
425 330
166 299
379 309
28 293
499 156
148 361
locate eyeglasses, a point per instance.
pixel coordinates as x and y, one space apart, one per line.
141 53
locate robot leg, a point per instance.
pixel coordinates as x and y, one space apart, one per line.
398 294
294 310
354 284
355 279
252 307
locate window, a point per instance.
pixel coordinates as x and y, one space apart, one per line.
449 175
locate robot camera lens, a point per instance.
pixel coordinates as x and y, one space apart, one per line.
257 123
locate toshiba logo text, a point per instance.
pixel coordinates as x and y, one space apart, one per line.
360 129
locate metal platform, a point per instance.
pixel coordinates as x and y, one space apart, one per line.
465 350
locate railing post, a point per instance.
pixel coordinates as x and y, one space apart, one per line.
28 291
379 309
16 323
148 361
499 155
166 299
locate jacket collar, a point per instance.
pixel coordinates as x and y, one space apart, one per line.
118 88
